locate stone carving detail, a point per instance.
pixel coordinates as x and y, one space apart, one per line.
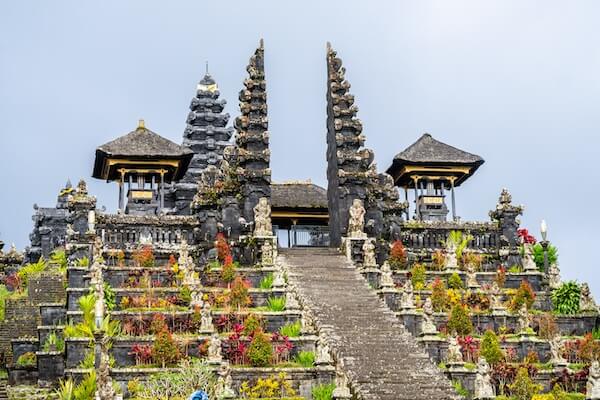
104 383
224 389
471 277
450 261
484 389
523 321
506 214
342 390
308 322
556 357
427 324
528 262
495 299
387 279
356 223
592 391
368 249
407 300
586 301
323 356
262 218
554 280
454 355
267 250
206 322
214 349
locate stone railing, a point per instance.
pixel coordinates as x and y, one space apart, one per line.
432 235
131 230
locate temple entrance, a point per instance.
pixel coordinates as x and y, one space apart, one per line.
302 236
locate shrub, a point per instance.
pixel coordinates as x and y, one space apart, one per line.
260 350
417 276
547 327
565 299
239 296
588 349
185 295
500 277
323 391
65 389
252 323
223 249
274 387
438 259
164 349
490 348
266 282
538 255
526 236
28 359
523 387
455 282
86 389
460 241
144 257
460 389
524 295
158 324
54 343
305 358
397 258
276 303
59 258
31 270
228 272
110 297
439 297
459 321
292 329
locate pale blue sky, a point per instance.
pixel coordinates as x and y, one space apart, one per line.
517 82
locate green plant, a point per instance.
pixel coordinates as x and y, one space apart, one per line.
565 299
228 272
490 348
185 295
292 329
524 295
460 241
523 387
305 358
164 350
439 297
596 333
260 350
31 270
59 258
83 262
417 276
65 389
397 258
89 359
266 282
273 387
276 303
239 296
86 388
460 390
455 282
538 255
28 359
252 323
323 391
110 297
459 321
54 343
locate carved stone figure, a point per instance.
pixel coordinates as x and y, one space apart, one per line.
91 222
70 231
262 218
356 223
267 253
214 349
386 279
523 321
104 384
593 383
82 188
291 302
556 357
278 280
224 389
407 300
206 322
471 277
496 298
554 280
368 249
307 322
529 264
323 356
450 261
342 390
586 301
196 300
454 355
483 381
427 323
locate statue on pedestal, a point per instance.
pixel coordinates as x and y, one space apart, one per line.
214 349
592 391
323 357
554 280
523 321
196 300
206 323
278 280
496 298
586 301
224 389
454 355
471 277
556 357
291 303
307 322
427 324
369 260
262 218
356 223
483 381
342 390
407 300
450 261
267 253
387 279
529 264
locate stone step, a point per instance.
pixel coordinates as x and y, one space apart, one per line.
381 359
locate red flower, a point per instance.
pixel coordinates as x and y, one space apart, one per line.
527 238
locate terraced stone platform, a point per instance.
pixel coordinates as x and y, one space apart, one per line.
381 359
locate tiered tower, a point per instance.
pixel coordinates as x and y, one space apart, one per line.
350 167
252 137
206 134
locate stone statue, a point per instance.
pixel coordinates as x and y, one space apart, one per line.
307 322
496 298
104 384
224 389
556 357
323 357
407 300
82 188
196 300
356 223
262 218
214 349
91 222
523 321
471 277
278 280
483 381
70 231
454 355
291 303
528 262
387 279
592 388
450 261
427 324
206 323
267 253
586 301
185 262
368 249
554 280
342 390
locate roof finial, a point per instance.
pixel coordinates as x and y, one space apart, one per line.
141 124
207 68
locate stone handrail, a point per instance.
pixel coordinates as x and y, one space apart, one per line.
431 235
129 230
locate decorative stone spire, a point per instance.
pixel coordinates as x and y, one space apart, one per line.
206 134
252 139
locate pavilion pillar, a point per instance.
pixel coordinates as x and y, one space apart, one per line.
416 181
453 198
162 190
121 190
406 199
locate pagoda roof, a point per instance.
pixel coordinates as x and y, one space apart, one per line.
298 195
429 152
142 145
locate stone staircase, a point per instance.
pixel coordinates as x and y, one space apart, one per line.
3 393
381 359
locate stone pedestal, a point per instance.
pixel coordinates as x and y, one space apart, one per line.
353 249
390 296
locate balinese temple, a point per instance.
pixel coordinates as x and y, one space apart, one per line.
432 168
144 162
299 213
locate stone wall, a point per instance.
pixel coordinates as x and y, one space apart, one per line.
21 320
47 288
